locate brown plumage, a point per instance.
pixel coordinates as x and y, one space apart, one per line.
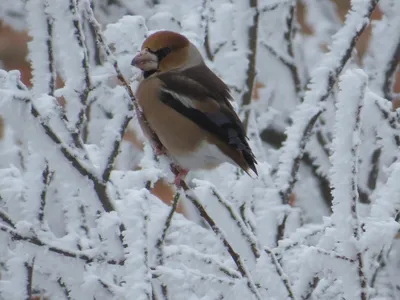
188 107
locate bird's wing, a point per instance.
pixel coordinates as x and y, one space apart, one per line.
199 95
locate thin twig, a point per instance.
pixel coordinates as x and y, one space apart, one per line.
46 179
281 273
6 219
322 96
390 73
50 51
64 252
64 288
29 275
288 37
87 87
249 237
251 57
235 256
183 250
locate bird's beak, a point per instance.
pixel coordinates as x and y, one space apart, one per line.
145 60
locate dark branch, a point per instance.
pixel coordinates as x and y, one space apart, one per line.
29 275
251 68
15 236
288 37
46 179
87 87
50 54
390 73
235 256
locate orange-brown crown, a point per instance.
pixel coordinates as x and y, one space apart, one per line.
177 43
165 38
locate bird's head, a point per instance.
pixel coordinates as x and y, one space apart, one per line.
164 51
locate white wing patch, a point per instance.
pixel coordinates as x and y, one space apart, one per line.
187 101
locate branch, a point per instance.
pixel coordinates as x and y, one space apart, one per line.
29 275
6 219
288 37
390 73
99 185
235 256
323 81
202 257
249 237
391 118
281 273
251 69
64 288
345 163
87 85
34 240
206 20
116 145
50 52
46 179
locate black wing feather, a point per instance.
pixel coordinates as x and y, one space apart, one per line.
201 85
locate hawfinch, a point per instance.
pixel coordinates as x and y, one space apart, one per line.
186 107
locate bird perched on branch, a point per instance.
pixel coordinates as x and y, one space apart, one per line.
186 108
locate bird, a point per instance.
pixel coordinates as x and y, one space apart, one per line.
186 108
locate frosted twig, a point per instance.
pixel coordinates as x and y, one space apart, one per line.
29 276
64 252
235 256
298 238
133 104
50 52
106 286
87 87
183 250
287 61
160 241
345 161
188 272
99 185
167 224
332 254
46 179
6 219
391 72
391 118
64 288
287 192
205 19
281 273
303 121
116 145
251 57
288 37
246 233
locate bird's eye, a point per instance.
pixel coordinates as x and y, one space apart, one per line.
162 53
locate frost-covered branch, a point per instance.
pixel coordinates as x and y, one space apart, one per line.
251 57
87 84
235 256
344 161
64 252
320 87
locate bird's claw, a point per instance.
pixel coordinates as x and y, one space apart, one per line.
180 175
160 150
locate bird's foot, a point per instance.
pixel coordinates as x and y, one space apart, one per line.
180 175
160 150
